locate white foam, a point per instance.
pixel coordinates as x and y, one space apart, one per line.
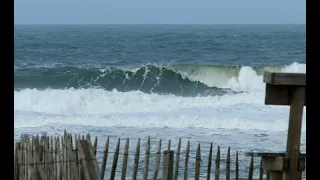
295 68
272 123
246 79
99 101
98 107
249 80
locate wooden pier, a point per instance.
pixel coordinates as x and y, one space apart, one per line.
286 89
75 156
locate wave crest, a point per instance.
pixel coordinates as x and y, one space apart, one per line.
185 80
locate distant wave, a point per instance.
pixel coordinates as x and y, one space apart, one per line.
185 80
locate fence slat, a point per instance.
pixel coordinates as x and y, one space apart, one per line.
74 172
217 173
36 158
29 160
209 162
251 169
104 159
176 172
186 161
20 160
26 158
63 169
24 166
95 144
157 163
146 159
33 169
237 166
50 159
88 162
76 155
59 154
52 155
198 160
16 163
168 165
28 155
35 174
167 171
115 161
125 160
69 154
47 157
55 159
66 167
228 165
136 161
88 137
41 157
75 141
36 155
261 171
79 138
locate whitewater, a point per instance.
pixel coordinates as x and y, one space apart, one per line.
101 108
238 119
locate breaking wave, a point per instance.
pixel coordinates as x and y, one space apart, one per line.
185 80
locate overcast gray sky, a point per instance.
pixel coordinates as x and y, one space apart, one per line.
160 11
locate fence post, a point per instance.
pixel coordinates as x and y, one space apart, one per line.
168 157
16 161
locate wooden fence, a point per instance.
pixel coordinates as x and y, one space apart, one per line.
66 157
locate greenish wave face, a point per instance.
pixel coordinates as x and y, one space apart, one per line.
183 80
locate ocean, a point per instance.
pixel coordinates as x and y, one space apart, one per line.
200 83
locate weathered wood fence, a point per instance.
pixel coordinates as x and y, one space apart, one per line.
74 157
